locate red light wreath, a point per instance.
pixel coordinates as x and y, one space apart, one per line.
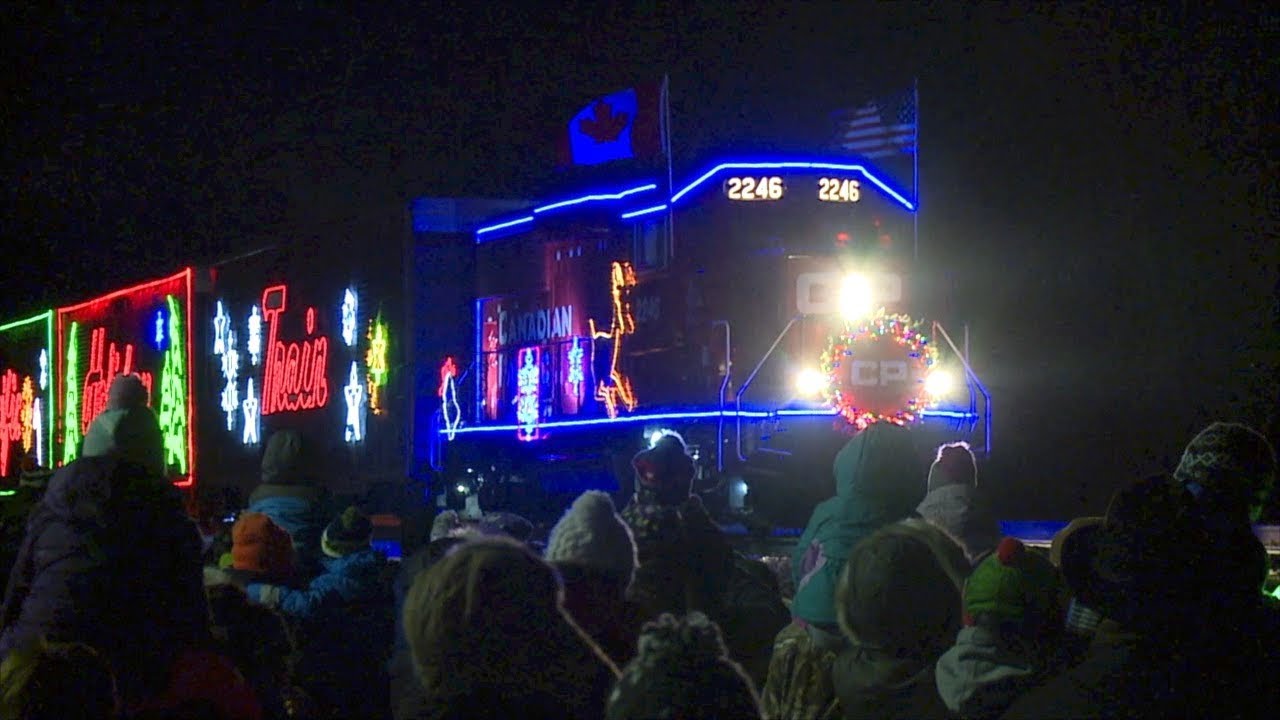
875 370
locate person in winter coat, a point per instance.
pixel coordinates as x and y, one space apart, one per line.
486 625
1011 640
899 609
687 564
261 552
879 481
291 495
1162 650
1230 470
110 558
596 556
344 621
683 670
954 504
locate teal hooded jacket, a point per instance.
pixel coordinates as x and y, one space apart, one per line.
880 479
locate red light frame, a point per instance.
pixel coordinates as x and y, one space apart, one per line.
186 276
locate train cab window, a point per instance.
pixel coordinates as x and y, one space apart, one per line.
650 245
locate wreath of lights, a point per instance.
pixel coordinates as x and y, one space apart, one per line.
843 345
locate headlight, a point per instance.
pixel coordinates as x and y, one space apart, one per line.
856 300
939 383
809 382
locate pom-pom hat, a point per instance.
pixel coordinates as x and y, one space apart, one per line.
1013 584
592 535
348 533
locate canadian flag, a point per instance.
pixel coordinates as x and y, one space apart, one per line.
623 125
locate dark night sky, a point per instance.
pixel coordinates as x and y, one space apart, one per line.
1101 184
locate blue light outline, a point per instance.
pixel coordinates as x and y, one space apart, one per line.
796 165
594 198
690 415
645 211
503 226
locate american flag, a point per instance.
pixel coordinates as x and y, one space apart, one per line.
881 128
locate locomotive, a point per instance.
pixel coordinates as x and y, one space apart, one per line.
762 309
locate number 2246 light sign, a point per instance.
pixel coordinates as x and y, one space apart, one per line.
837 190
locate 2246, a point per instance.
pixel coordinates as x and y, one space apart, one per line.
839 190
749 188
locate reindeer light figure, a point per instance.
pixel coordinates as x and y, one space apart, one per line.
618 388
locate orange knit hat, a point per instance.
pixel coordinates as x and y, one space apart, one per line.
259 545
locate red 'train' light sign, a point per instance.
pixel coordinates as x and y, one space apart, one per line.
295 377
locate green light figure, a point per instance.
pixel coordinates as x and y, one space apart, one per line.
71 420
173 394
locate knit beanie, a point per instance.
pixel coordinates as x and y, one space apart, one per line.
682 670
1230 467
592 534
664 472
895 594
1015 585
286 459
954 465
259 545
348 533
127 429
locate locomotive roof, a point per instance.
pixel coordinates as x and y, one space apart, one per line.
646 197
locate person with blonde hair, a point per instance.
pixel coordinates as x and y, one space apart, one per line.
490 638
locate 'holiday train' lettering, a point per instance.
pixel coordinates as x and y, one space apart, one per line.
535 326
105 363
296 374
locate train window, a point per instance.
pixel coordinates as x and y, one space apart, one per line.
650 245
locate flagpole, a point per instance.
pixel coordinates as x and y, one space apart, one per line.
666 150
915 175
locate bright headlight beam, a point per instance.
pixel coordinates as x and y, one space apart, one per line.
856 301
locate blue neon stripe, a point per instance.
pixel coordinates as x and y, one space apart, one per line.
504 225
646 211
693 415
594 198
795 165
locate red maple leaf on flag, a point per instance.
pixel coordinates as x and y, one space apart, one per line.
605 125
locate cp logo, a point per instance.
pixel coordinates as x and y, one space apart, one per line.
818 293
878 372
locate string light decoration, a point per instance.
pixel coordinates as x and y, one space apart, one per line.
296 374
25 396
173 414
37 419
71 403
528 378
224 347
350 304
876 358
355 396
106 362
255 336
448 392
252 417
27 400
576 375
10 416
375 359
115 334
618 389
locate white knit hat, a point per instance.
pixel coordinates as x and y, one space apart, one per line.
592 535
